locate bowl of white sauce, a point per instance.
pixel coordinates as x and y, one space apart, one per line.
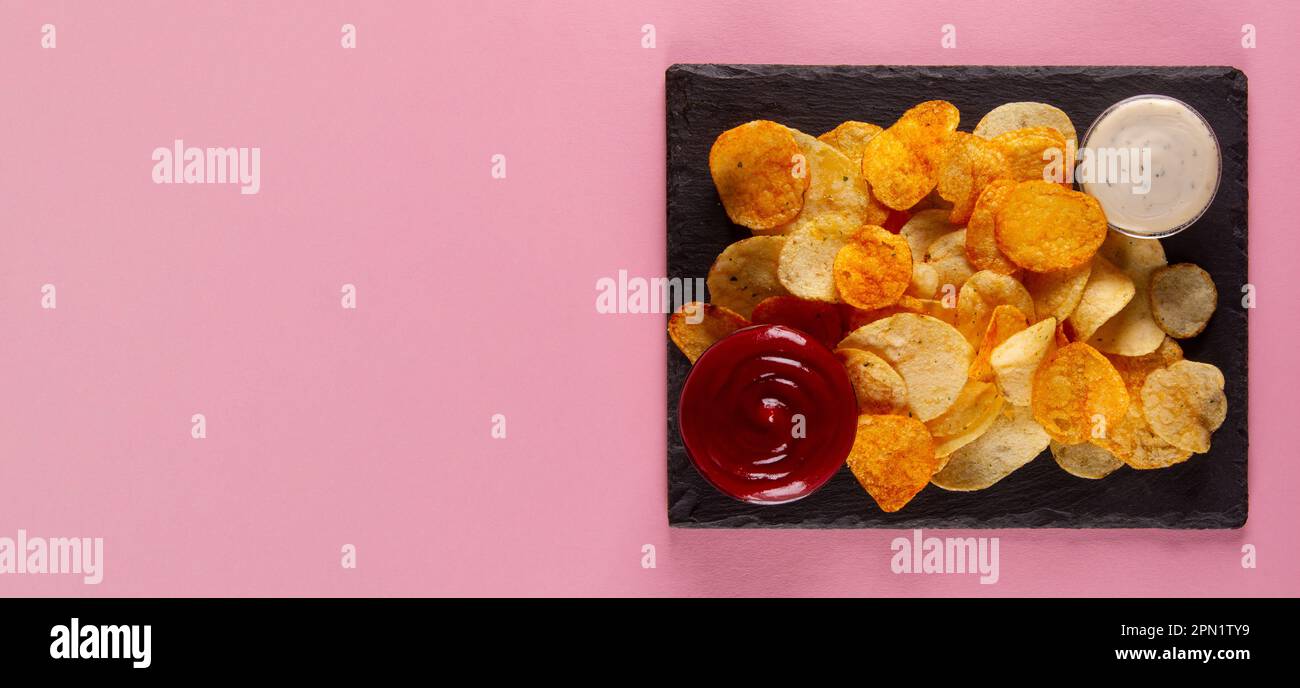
1153 163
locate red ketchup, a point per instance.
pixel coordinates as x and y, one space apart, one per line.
738 408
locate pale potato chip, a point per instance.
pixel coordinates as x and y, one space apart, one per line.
1015 360
836 187
1184 404
1057 293
694 331
1012 116
925 281
807 261
746 273
1183 298
873 268
850 138
923 228
1012 441
879 388
1107 292
1085 460
1133 331
931 356
752 167
948 256
892 458
984 291
970 416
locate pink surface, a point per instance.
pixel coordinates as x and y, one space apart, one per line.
371 427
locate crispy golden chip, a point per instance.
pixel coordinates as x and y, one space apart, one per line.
925 281
1042 227
1133 331
892 458
931 356
1013 440
1132 440
850 138
1077 392
1183 298
1184 404
746 273
1057 293
902 162
807 261
879 388
837 188
1015 360
1107 292
694 331
968 166
1085 460
984 291
752 167
969 417
923 228
1005 321
1028 153
948 256
1012 116
873 268
981 245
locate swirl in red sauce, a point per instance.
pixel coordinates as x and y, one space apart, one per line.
738 408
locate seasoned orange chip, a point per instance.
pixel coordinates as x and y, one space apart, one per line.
753 167
892 458
981 247
1043 226
969 164
1077 393
697 326
1005 321
873 268
902 162
984 291
1029 153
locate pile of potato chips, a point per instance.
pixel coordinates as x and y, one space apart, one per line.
1000 317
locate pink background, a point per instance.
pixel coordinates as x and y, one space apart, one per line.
476 296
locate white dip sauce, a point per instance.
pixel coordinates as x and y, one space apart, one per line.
1183 172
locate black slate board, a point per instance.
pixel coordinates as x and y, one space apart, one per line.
1208 491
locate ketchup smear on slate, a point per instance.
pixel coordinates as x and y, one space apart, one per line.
738 414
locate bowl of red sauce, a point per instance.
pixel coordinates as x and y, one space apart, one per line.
767 414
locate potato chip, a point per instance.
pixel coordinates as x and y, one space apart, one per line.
1076 391
1132 440
970 416
752 168
1107 292
1042 227
873 268
1029 154
969 164
1057 293
892 458
948 256
836 187
1183 298
692 338
1133 331
902 162
984 291
1012 116
981 246
879 388
850 138
746 273
807 261
1005 321
1184 404
1085 460
923 228
1015 360
1135 369
925 281
931 356
823 321
1012 441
